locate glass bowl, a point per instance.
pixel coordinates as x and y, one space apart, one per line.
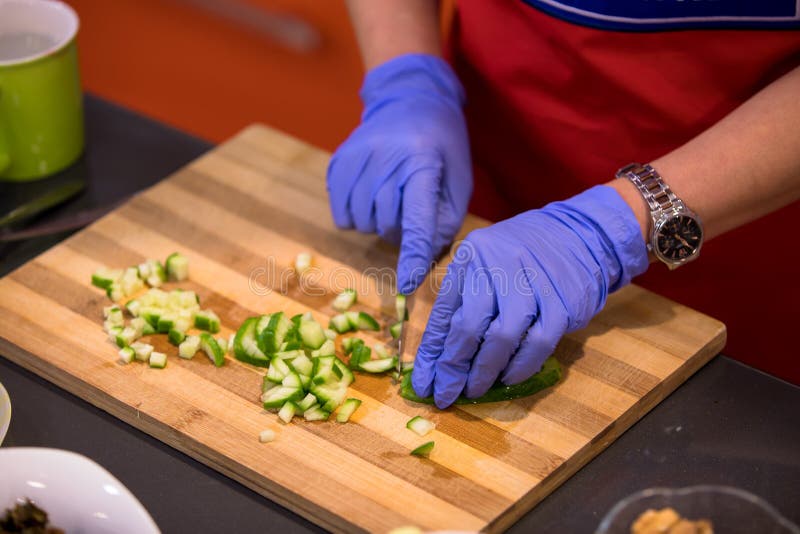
730 510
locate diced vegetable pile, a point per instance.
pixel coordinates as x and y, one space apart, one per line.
304 378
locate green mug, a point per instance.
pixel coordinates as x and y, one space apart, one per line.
41 115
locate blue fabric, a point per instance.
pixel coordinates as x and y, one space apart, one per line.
405 171
515 288
653 15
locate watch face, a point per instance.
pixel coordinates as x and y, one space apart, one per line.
679 238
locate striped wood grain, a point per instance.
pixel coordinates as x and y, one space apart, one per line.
253 204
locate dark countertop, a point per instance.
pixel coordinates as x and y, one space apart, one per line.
729 424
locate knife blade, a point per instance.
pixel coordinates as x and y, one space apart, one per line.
400 342
45 201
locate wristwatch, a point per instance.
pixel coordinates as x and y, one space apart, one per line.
676 233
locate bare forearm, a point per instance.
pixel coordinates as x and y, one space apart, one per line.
389 28
743 167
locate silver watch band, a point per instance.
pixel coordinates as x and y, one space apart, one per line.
655 192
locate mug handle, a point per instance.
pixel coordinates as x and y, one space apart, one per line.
5 151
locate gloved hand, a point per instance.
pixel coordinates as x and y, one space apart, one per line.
514 288
405 172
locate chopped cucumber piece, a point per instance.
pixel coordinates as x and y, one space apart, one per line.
133 306
139 325
115 291
381 351
206 320
277 397
158 360
142 351
330 334
165 323
378 366
307 402
245 347
125 337
287 411
305 381
271 338
420 425
290 354
151 315
302 365
292 380
352 319
177 267
278 369
223 344
315 413
109 312
130 281
366 322
176 337
147 329
189 347
302 262
424 449
267 385
400 307
212 349
360 354
126 354
323 369
340 323
104 277
311 333
396 329
326 349
345 300
346 411
265 436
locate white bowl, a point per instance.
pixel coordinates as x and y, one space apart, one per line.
77 494
5 412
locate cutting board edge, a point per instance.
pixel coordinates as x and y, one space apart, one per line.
127 414
610 434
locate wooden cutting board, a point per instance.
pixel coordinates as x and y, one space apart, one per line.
241 213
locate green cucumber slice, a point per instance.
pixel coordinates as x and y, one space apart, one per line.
176 337
206 320
396 329
142 351
346 411
302 365
158 360
345 300
189 347
340 323
367 322
400 307
271 338
277 397
424 449
548 376
420 425
287 412
312 334
126 355
308 401
212 349
104 277
316 413
360 354
177 267
245 347
378 366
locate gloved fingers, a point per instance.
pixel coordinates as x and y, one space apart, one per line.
447 302
539 342
379 169
467 328
345 168
502 339
387 211
418 219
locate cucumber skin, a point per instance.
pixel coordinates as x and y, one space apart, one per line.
238 350
549 375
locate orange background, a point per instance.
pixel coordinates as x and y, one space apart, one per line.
187 67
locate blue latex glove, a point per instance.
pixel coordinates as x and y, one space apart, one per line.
514 288
405 172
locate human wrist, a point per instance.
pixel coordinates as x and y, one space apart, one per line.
412 74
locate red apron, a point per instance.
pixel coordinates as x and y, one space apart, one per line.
554 107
